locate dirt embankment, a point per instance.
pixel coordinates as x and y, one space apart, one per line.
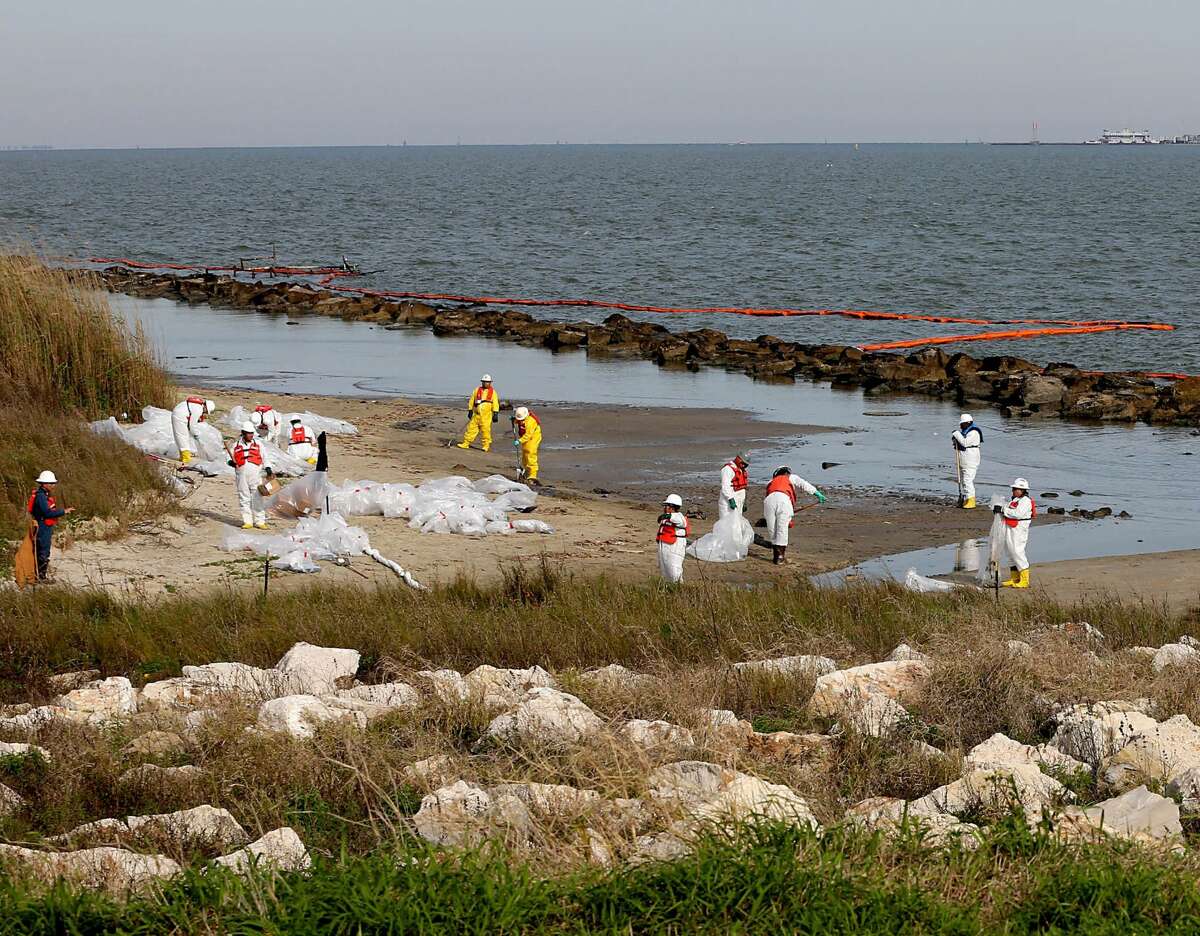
602 501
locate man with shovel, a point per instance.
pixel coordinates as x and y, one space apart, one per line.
46 513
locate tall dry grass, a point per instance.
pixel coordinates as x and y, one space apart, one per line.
66 358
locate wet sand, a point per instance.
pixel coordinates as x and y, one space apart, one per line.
1168 578
586 448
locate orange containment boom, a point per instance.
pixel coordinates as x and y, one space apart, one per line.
1082 329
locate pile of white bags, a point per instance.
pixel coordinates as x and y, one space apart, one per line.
730 540
314 421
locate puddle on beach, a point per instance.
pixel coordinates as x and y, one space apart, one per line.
1141 469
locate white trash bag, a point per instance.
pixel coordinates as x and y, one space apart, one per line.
996 544
729 541
916 582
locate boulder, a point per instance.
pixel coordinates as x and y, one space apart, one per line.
178 692
299 715
905 652
999 790
549 799
241 679
1185 787
506 686
1001 751
11 802
1174 654
867 696
463 814
151 775
615 677
1094 732
279 850
709 793
112 869
431 771
546 716
317 669
656 734
20 749
1159 751
446 685
1046 393
376 700
790 747
36 718
1137 814
155 742
206 826
65 682
804 665
101 700
890 814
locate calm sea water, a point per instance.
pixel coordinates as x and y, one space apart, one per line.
1047 232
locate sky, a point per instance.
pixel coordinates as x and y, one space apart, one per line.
294 72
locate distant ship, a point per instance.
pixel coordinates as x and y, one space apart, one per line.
1125 137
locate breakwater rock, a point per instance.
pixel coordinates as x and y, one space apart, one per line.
1017 386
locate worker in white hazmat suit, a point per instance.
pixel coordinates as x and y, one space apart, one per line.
247 461
1018 515
733 486
266 423
301 443
779 506
186 415
967 439
673 531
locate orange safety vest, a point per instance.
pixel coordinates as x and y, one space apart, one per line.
197 401
521 425
1013 521
668 533
782 483
247 452
299 435
483 395
49 521
740 478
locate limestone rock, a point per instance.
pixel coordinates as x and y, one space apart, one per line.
1160 750
376 700
506 686
280 850
711 793
804 665
1174 654
1095 732
994 790
716 718
464 814
194 722
549 799
11 802
1000 751
65 682
868 696
1137 814
892 815
1018 648
151 775
429 772
616 677
242 679
112 869
447 685
39 717
20 749
1186 786
207 826
905 652
101 700
299 715
656 734
546 716
155 742
659 846
317 669
178 692
789 746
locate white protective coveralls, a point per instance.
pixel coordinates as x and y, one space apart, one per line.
733 487
301 442
266 424
968 447
184 416
1018 515
779 507
247 463
673 532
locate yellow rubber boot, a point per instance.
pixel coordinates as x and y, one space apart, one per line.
250 526
969 504
1014 576
261 526
1023 581
185 456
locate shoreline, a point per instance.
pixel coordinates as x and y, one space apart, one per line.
1016 386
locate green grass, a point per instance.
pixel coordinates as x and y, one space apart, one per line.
769 880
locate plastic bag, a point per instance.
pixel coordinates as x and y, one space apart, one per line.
989 570
916 582
729 541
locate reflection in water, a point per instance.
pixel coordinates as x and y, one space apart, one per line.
967 553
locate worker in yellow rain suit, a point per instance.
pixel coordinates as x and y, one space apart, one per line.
483 409
529 437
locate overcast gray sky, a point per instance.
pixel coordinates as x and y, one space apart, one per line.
284 72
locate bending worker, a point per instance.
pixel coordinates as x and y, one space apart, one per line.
46 513
301 443
483 409
266 423
779 506
184 417
673 531
528 432
733 486
247 461
1018 514
967 439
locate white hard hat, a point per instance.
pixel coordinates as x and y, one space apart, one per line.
486 378
522 412
295 419
1021 483
966 418
674 500
247 426
47 477
209 406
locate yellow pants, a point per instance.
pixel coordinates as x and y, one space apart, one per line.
529 459
480 425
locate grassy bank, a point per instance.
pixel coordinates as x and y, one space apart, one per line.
769 880
65 359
